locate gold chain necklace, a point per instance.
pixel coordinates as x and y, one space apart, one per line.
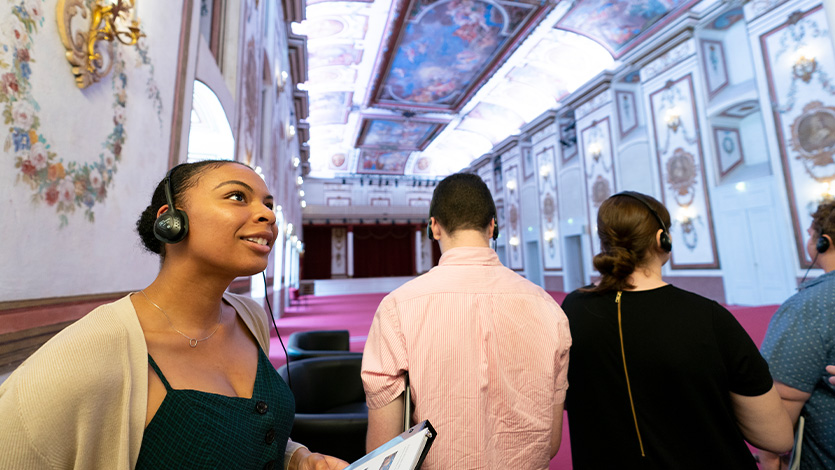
191 341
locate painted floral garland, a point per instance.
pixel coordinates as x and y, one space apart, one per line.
65 186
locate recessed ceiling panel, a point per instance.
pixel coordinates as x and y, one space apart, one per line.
740 110
616 25
444 50
397 133
330 107
334 54
382 162
492 121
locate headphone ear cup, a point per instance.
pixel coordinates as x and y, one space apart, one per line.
171 226
822 244
665 242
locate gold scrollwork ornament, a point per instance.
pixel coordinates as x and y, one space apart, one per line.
90 43
75 33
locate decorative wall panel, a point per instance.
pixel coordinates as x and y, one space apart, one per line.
339 251
681 164
729 153
714 65
598 166
549 209
568 138
627 112
513 220
800 68
249 89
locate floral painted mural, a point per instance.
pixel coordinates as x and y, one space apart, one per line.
62 184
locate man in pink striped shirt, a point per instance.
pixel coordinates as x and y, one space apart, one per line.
486 351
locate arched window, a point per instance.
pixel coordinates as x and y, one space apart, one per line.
210 135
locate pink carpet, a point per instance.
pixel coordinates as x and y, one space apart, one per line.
355 312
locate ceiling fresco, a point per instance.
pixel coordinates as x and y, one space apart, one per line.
423 87
446 47
400 133
382 162
615 24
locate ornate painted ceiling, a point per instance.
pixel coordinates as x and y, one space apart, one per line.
423 87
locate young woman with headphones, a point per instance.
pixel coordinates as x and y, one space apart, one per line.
660 377
177 374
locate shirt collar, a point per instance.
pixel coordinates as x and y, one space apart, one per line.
469 255
822 278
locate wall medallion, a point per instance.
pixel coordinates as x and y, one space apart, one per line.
813 138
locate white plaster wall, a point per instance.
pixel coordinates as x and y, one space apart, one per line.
42 258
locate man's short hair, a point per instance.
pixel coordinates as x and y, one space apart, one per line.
823 219
462 202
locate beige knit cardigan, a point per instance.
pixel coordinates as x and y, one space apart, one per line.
80 401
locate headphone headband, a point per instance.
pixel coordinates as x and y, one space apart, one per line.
666 242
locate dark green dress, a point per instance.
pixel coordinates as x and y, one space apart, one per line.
201 430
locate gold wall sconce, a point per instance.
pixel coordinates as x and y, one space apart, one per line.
804 67
673 119
281 80
90 44
595 150
826 191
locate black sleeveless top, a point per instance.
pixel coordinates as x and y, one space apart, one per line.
201 430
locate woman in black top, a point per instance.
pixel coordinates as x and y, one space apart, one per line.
661 377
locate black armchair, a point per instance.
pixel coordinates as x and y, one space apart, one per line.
331 414
319 343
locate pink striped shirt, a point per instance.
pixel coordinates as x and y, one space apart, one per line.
487 356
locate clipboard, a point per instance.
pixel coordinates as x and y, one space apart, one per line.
794 461
405 452
407 405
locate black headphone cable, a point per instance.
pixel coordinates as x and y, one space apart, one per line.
287 356
814 260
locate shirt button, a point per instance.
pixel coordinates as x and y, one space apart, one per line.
270 437
261 407
269 465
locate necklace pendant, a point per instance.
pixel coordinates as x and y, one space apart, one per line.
192 342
